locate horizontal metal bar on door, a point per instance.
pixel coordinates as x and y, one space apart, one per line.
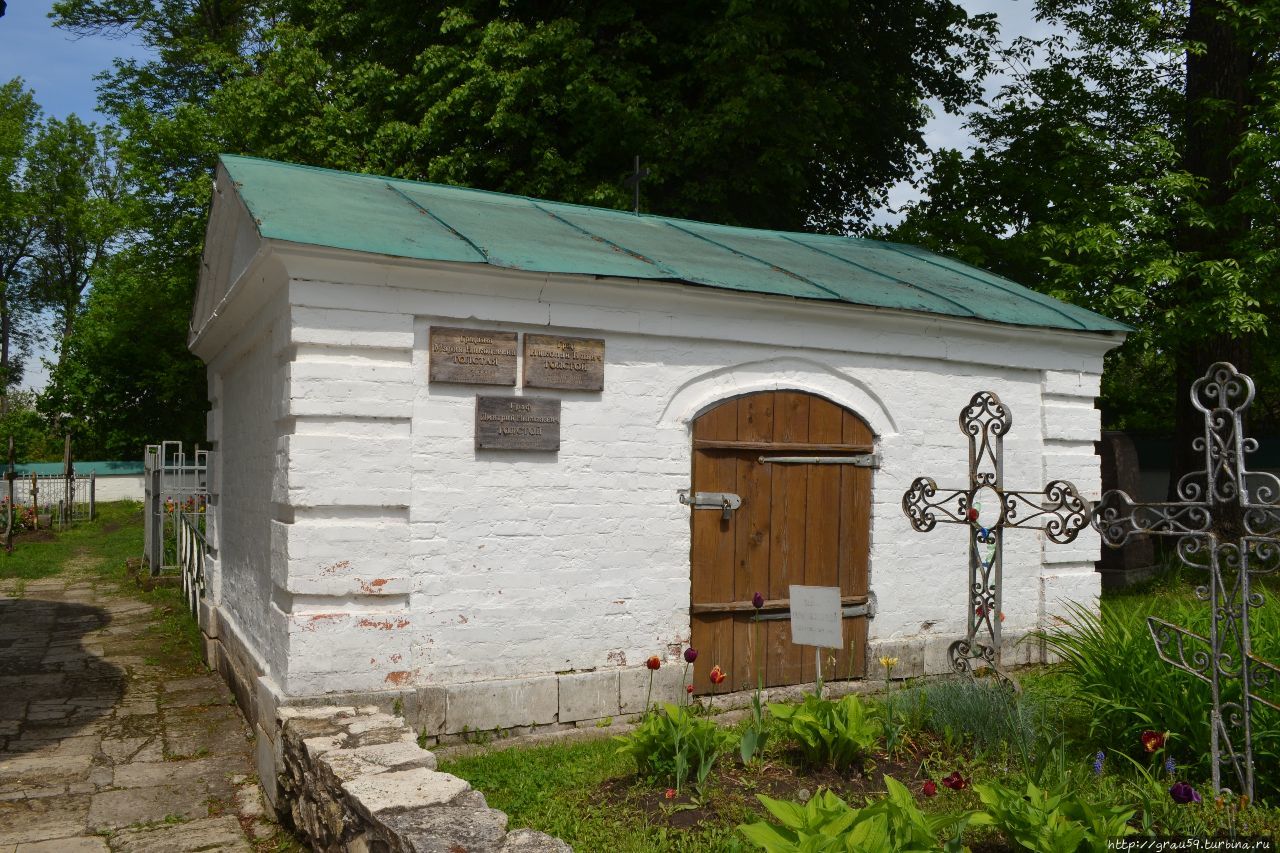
868 609
864 460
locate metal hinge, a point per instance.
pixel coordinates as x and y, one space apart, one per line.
726 502
862 460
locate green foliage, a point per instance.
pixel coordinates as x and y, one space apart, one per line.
827 824
830 732
79 208
1053 821
1128 166
33 440
668 747
125 376
19 120
1126 689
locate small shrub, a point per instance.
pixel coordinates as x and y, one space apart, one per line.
889 825
1053 821
837 733
670 746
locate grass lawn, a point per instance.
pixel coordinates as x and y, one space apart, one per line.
114 535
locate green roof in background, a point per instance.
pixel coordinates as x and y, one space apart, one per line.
84 469
388 216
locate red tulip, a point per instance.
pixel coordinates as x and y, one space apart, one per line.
671 793
1151 741
690 655
688 688
956 782
717 675
757 601
654 662
930 788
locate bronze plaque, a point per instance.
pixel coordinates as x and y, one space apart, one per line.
517 423
573 364
473 356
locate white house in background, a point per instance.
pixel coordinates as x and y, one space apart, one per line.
451 429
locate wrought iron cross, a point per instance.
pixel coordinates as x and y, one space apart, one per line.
633 180
1226 523
989 509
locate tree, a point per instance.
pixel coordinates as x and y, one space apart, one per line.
19 115
1130 167
116 378
78 207
757 112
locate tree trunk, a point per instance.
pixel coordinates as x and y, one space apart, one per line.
1214 123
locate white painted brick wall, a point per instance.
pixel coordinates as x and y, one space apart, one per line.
501 564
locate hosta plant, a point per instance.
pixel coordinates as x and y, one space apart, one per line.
836 733
1053 821
827 824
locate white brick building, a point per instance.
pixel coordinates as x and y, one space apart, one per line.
364 543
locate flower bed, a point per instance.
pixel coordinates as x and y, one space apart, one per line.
949 765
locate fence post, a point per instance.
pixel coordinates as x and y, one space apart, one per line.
155 546
93 493
8 475
35 500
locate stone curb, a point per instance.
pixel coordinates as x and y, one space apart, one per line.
356 780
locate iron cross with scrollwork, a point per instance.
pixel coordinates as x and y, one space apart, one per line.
1226 523
988 509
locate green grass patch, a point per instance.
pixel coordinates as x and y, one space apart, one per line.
555 789
94 546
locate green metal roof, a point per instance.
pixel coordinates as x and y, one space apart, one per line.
84 469
408 219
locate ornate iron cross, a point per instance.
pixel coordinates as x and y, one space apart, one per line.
989 509
1226 523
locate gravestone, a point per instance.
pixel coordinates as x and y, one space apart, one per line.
1136 560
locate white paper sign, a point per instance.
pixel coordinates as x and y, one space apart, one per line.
815 617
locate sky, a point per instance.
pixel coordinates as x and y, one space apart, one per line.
60 68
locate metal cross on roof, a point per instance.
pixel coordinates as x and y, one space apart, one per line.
1226 523
988 509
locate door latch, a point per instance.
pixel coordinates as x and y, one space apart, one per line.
726 502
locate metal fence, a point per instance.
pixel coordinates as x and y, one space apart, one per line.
58 500
176 499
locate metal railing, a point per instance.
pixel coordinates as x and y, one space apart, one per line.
191 553
175 487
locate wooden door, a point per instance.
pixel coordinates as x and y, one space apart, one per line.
798 524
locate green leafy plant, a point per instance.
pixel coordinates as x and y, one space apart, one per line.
826 824
671 746
837 732
1053 820
1126 690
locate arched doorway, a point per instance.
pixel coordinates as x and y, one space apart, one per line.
799 523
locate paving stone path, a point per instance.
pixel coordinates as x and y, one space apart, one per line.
105 745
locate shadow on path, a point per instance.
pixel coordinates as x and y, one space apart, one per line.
53 684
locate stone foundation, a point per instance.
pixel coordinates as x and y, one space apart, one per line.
356 780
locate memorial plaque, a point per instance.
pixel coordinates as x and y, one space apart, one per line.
517 423
571 364
472 356
816 617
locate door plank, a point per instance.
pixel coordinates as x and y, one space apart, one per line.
755 424
784 660
822 533
711 558
752 555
